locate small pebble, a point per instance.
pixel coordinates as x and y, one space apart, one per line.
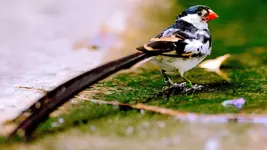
238 103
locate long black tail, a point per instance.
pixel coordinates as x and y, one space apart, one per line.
41 109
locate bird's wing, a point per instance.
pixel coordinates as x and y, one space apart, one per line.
174 43
164 41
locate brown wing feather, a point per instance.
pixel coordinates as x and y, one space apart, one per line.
163 43
187 54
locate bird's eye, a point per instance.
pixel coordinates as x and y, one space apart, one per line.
199 13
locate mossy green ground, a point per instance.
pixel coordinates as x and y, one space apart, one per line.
240 31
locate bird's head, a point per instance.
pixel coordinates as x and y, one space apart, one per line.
198 15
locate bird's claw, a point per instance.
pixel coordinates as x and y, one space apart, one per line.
197 87
173 88
181 88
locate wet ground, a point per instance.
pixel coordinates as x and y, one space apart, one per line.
36 45
92 126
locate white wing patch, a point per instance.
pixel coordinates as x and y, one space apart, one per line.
169 32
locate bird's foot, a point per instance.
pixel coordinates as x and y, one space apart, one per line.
193 88
180 88
173 88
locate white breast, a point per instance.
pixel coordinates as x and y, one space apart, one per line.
177 64
181 64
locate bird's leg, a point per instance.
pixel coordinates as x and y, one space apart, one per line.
167 90
172 87
170 83
189 83
166 78
185 87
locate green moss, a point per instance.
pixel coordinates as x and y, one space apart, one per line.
247 69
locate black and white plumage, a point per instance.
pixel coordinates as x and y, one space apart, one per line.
180 47
188 37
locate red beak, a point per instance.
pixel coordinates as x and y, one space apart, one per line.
212 15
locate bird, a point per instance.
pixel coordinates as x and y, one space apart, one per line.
188 38
180 47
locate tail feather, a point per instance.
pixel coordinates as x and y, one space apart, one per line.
41 109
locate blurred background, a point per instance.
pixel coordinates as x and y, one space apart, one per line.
46 42
39 41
